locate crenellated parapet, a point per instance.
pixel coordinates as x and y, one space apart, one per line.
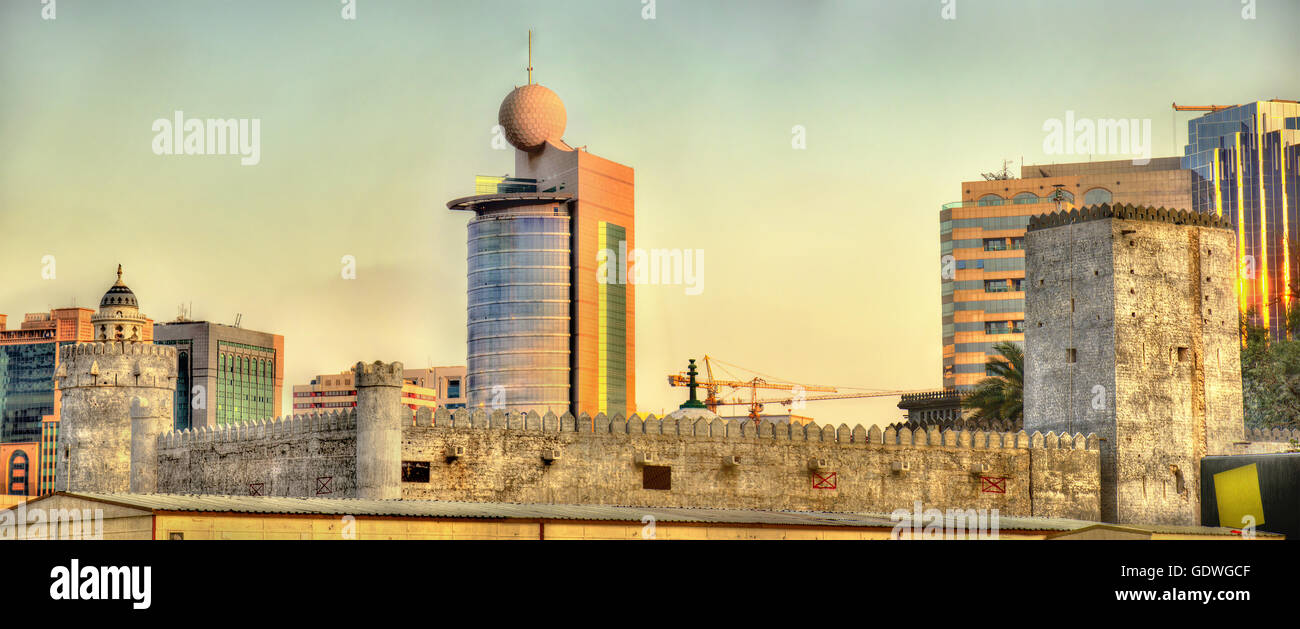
1127 212
287 427
1273 435
843 435
116 363
378 374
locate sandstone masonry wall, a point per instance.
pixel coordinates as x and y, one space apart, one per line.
595 461
306 455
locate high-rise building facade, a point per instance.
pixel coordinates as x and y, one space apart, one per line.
544 333
224 374
432 387
28 359
982 241
1246 165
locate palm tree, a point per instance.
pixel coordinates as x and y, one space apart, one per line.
1001 396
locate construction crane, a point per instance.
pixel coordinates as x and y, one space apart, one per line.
1213 108
711 385
756 406
712 401
1178 107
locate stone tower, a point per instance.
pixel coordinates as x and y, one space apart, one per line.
1131 332
117 399
380 416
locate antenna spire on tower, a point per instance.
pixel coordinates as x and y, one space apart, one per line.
530 56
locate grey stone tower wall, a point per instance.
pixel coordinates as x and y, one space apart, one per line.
147 423
380 417
98 382
1069 304
1156 330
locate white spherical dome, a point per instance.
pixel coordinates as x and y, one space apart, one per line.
531 115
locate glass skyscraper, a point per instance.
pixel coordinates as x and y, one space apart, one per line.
519 304
1245 165
551 321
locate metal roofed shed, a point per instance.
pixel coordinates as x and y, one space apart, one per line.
177 516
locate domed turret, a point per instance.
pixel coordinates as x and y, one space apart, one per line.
119 317
118 294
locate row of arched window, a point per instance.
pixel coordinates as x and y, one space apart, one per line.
245 365
1094 196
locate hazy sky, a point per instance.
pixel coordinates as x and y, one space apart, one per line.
821 265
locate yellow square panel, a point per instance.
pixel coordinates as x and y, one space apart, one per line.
1237 492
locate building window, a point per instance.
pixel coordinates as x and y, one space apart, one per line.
990 199
453 387
1017 242
415 471
1071 355
17 484
997 327
995 244
995 286
1096 196
1183 354
657 477
1025 197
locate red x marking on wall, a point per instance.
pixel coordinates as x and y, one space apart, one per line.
323 485
824 482
992 485
255 489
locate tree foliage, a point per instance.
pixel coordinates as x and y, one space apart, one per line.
1000 396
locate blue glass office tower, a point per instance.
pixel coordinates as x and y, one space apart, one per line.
1246 166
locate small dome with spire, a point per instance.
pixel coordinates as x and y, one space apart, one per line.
119 317
118 294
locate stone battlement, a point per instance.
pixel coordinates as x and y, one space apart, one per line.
688 430
1276 434
287 426
1127 212
378 374
115 348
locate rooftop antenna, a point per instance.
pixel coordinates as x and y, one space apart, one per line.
530 56
1002 175
238 316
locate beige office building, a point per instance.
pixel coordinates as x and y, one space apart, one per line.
432 387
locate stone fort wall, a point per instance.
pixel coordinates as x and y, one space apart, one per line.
783 466
304 456
513 457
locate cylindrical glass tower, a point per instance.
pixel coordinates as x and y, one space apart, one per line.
519 303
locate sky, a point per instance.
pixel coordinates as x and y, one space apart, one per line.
821 263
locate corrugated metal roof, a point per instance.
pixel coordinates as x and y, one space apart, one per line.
500 510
